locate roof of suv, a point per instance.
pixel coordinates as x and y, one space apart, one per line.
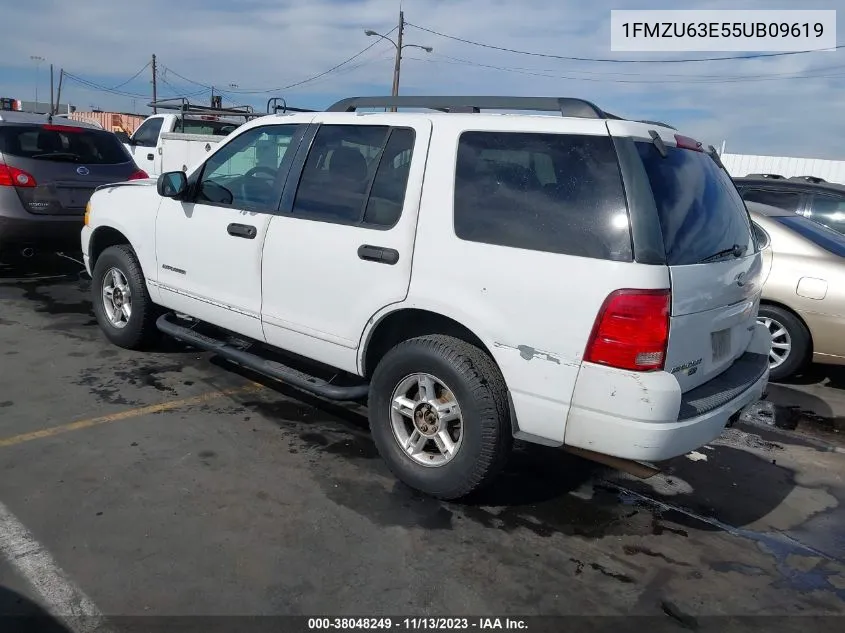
42 119
789 183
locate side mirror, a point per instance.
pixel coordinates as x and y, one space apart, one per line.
172 184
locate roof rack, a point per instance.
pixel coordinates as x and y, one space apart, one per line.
273 106
186 107
767 176
813 179
566 106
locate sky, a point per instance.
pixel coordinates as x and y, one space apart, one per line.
251 50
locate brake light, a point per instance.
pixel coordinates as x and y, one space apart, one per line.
685 142
14 177
139 175
62 128
631 330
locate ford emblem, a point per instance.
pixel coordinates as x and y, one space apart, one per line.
82 171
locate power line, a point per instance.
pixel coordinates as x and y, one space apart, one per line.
692 80
289 86
615 61
95 86
133 77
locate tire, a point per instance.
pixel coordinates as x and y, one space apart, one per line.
790 331
464 374
138 331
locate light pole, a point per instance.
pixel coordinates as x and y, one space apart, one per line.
399 46
38 61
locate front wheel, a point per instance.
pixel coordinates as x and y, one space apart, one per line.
439 416
122 304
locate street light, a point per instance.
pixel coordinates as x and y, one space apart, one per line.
38 61
399 46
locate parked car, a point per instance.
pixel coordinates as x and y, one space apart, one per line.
579 280
811 197
803 304
48 171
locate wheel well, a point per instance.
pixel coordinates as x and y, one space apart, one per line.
778 304
409 323
102 238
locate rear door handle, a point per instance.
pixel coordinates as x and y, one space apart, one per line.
378 254
242 230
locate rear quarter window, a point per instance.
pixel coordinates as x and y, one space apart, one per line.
556 193
66 144
700 211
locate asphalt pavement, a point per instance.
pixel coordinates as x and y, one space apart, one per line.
172 483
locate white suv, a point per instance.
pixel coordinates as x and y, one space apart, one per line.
575 280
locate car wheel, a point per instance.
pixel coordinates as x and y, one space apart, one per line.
790 341
122 304
439 416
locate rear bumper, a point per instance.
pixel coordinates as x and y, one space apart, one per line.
645 417
39 232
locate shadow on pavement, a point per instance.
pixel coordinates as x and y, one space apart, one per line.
19 614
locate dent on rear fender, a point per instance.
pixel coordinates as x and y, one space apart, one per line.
528 353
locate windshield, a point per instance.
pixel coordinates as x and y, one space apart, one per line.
701 213
820 235
62 144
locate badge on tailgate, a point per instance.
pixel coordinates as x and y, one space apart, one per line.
721 343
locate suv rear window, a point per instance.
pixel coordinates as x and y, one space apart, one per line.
700 211
558 193
62 143
202 126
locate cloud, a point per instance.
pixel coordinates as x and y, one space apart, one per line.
768 106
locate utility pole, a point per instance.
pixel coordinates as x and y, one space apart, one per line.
51 88
37 59
59 93
155 86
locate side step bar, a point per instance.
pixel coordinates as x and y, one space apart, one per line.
269 368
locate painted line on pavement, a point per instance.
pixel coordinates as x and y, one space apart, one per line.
124 415
58 594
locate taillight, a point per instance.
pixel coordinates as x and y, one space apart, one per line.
139 175
631 330
14 177
685 142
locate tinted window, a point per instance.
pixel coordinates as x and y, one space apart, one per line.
558 193
829 210
786 200
63 143
356 174
817 233
700 210
248 171
147 134
201 126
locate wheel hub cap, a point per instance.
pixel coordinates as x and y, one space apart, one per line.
426 419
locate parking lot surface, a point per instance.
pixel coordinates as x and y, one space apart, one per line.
172 483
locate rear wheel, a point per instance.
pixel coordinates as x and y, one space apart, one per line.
790 341
439 415
122 304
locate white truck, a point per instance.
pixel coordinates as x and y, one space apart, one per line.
579 280
177 140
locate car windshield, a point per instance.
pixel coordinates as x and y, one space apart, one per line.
62 143
701 213
820 235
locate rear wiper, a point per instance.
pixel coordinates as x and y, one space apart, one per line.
58 156
736 250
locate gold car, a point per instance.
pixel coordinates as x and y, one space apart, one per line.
803 302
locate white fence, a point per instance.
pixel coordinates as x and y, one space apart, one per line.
739 165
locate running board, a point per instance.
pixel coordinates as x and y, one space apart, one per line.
272 369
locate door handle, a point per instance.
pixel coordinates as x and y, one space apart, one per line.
242 230
150 157
378 254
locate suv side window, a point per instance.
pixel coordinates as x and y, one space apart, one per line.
786 200
248 171
356 174
558 193
829 210
147 134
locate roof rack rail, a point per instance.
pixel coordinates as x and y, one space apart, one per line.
767 176
566 106
659 123
186 107
273 106
813 179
